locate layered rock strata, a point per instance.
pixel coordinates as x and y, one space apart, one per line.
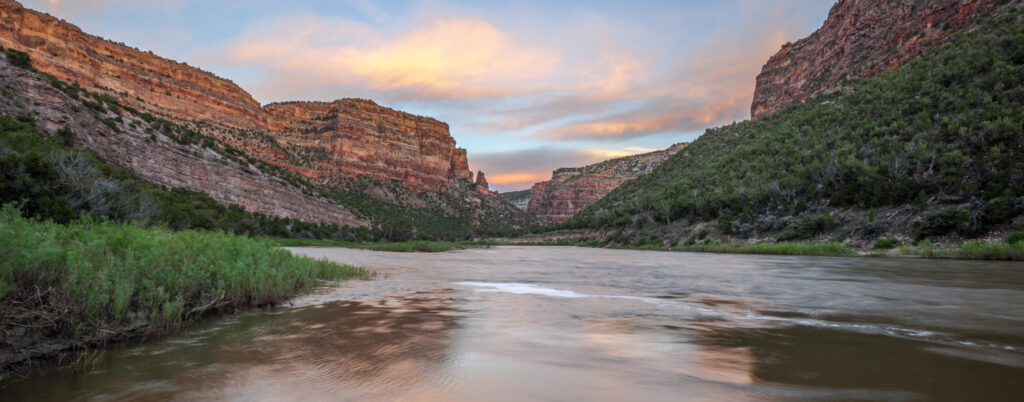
158 159
860 38
570 190
320 141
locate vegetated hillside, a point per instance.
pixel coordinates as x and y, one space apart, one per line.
934 148
49 179
859 39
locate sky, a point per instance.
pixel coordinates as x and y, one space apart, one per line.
525 86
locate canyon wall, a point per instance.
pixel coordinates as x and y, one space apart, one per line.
520 199
860 38
320 141
156 157
570 190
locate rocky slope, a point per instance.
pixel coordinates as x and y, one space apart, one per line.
320 141
155 157
860 38
521 198
570 190
349 150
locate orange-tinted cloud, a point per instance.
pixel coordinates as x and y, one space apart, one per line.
517 170
452 58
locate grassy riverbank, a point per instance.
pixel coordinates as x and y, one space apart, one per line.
72 286
405 246
1012 249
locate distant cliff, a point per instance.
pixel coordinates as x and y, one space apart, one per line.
860 38
570 190
127 140
521 198
319 141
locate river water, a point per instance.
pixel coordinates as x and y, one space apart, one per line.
563 323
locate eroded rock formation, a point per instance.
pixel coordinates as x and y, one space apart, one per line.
860 38
320 141
156 158
481 184
570 190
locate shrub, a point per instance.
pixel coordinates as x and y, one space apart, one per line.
18 58
944 222
1015 237
886 243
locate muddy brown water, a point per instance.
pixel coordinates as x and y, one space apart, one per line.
562 323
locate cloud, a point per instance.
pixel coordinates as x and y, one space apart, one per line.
714 85
585 77
78 7
517 170
446 58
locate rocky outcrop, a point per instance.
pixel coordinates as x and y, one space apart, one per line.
320 141
860 38
157 158
481 184
360 138
521 198
570 190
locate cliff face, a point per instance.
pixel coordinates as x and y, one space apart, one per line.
521 198
320 141
358 137
157 158
860 38
570 190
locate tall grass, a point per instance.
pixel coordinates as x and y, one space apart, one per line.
810 249
403 246
92 275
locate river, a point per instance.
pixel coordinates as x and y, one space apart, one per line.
563 323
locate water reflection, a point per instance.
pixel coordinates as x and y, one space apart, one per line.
879 365
551 323
326 351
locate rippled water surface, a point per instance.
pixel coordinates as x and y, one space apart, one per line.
559 323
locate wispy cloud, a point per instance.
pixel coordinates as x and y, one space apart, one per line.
447 58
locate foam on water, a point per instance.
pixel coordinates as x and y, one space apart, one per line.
931 336
529 289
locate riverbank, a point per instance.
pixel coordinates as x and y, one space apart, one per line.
68 289
405 246
1011 249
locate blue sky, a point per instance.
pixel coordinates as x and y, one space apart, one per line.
526 86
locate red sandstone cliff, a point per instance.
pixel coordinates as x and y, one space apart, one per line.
157 158
320 141
570 190
860 38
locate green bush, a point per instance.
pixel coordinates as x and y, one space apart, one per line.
886 243
944 222
18 58
1015 237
